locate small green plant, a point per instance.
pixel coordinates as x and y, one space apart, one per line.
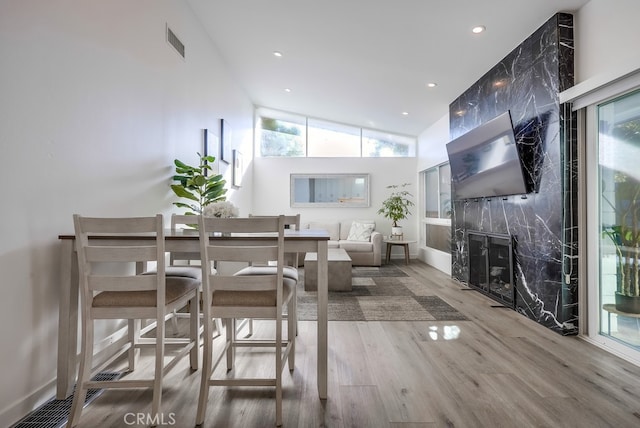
627 244
396 206
193 184
625 236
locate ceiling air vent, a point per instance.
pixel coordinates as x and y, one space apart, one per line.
174 41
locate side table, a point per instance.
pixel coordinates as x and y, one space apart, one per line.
402 242
611 309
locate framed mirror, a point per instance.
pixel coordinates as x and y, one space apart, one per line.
330 190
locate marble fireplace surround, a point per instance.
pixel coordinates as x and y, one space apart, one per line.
491 265
527 82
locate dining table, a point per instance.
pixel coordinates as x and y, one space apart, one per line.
181 240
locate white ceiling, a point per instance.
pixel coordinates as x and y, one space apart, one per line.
365 62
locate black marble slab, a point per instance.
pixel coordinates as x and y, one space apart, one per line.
527 82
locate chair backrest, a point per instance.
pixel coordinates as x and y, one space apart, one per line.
289 220
244 248
183 256
120 274
291 259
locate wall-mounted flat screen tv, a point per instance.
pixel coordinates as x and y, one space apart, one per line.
485 161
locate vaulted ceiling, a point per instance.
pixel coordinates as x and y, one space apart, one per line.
368 62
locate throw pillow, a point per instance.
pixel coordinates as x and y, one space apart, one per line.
360 231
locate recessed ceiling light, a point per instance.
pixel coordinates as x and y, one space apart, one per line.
287 90
478 29
431 85
277 54
405 113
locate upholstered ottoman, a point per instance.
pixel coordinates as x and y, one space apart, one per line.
338 265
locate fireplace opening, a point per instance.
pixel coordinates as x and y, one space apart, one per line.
491 266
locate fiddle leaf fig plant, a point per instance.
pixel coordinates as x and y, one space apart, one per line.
396 206
196 186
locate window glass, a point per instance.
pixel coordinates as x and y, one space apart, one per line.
327 139
379 144
290 135
437 192
438 236
280 137
431 203
445 190
619 218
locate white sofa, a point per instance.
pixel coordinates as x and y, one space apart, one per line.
362 253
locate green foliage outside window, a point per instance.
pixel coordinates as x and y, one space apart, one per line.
280 139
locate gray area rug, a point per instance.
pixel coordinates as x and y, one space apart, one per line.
379 294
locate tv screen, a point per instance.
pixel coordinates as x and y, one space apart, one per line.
485 161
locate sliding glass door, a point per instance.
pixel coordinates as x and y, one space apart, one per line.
613 195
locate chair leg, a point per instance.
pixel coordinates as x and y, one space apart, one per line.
206 372
295 313
134 338
279 372
194 333
159 368
279 400
174 320
84 373
292 332
231 338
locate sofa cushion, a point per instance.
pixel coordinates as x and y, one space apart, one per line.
345 226
356 246
360 231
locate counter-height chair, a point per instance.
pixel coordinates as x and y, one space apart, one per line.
235 296
291 259
111 289
181 263
290 269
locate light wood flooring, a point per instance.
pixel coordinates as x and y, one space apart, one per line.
498 369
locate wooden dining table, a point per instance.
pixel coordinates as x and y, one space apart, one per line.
184 240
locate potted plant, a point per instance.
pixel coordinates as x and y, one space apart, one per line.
396 206
196 186
626 238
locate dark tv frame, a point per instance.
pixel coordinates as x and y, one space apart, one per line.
470 179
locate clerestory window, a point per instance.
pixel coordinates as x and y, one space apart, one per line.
289 135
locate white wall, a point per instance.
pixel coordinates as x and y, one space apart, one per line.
94 107
431 152
606 37
432 144
271 188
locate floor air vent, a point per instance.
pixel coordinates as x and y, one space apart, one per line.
54 413
174 41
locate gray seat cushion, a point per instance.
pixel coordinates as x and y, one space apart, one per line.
287 271
194 272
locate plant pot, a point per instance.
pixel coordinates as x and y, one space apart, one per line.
628 304
396 231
